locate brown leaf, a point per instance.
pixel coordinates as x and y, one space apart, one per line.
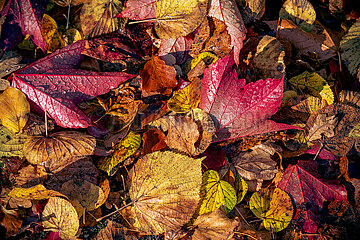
253 10
323 126
58 146
9 62
36 125
113 231
157 77
30 176
220 41
153 140
11 221
202 35
215 225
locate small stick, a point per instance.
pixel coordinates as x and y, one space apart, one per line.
117 210
46 129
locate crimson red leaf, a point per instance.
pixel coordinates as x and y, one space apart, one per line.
239 110
228 12
309 191
26 14
55 85
139 9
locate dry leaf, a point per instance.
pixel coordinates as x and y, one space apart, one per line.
9 62
52 37
14 109
215 225
57 146
11 221
153 140
301 12
11 145
165 190
38 192
30 176
113 231
323 125
252 10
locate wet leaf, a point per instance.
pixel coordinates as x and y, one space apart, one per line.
58 146
98 17
214 225
349 47
60 216
11 145
124 149
216 194
52 37
38 192
301 12
165 188
14 109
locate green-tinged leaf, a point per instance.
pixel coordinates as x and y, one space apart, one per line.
187 98
216 193
123 150
11 145
350 48
301 12
38 192
241 188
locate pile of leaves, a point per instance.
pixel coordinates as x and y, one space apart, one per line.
186 119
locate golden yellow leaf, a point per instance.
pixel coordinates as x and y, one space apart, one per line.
165 190
314 84
60 216
98 17
214 225
207 57
14 109
123 150
216 193
72 35
301 12
66 3
52 37
38 192
276 213
11 145
83 195
187 98
179 18
241 188
309 105
58 146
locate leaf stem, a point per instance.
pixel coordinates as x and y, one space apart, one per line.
46 127
117 210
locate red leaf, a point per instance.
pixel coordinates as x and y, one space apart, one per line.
139 9
240 110
310 191
324 154
26 14
55 85
228 12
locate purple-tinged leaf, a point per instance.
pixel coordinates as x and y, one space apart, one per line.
139 10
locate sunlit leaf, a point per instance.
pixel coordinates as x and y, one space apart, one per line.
38 192
11 145
241 188
52 37
186 99
301 12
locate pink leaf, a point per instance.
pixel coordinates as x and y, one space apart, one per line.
139 10
228 12
57 89
238 109
27 14
309 191
178 47
324 154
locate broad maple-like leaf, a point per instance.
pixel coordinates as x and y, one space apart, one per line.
228 12
55 85
238 109
310 191
178 47
22 16
139 9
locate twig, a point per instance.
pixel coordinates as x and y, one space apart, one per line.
46 128
237 210
117 210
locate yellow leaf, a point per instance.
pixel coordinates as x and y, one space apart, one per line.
123 150
315 84
207 57
83 195
216 193
72 35
98 17
179 18
27 43
65 3
60 216
309 105
165 190
277 213
187 98
38 192
11 145
14 109
301 12
52 37
241 188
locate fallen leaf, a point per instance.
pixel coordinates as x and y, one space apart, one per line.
349 46
276 213
269 58
52 37
350 98
216 193
153 140
215 158
36 125
307 104
214 225
323 126
228 12
30 176
186 99
241 188
188 14
55 85
83 195
98 17
38 192
57 146
201 36
11 220
252 10
124 149
66 3
300 12
14 109
139 9
165 190
9 62
113 231
60 216
309 190
178 47
157 77
11 145
246 108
